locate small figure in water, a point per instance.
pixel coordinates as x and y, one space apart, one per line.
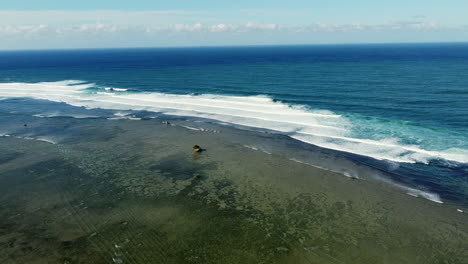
25 125
197 148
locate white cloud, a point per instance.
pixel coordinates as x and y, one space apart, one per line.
35 23
26 31
148 28
416 26
97 28
100 28
188 27
426 26
223 28
254 26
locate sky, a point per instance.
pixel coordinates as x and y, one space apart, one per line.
59 24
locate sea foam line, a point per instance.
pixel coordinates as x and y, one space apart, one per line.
30 138
321 128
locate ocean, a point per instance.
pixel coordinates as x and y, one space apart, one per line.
312 154
400 107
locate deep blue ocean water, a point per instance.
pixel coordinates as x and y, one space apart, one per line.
402 103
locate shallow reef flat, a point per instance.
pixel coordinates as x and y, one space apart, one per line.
123 191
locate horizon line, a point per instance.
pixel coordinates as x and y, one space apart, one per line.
239 46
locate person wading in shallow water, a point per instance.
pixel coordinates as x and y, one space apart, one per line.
197 148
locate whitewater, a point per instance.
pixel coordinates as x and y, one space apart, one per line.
318 127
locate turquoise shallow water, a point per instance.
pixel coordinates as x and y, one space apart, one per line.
400 108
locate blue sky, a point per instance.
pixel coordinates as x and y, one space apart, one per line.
31 24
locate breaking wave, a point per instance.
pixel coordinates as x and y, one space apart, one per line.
319 127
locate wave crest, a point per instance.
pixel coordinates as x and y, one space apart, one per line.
321 128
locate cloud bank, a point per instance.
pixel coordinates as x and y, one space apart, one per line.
68 29
98 28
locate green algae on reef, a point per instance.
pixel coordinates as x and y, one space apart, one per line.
134 192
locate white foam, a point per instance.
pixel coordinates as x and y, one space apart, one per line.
47 140
103 93
250 147
124 118
346 173
121 114
434 197
426 195
193 128
57 114
321 128
115 89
